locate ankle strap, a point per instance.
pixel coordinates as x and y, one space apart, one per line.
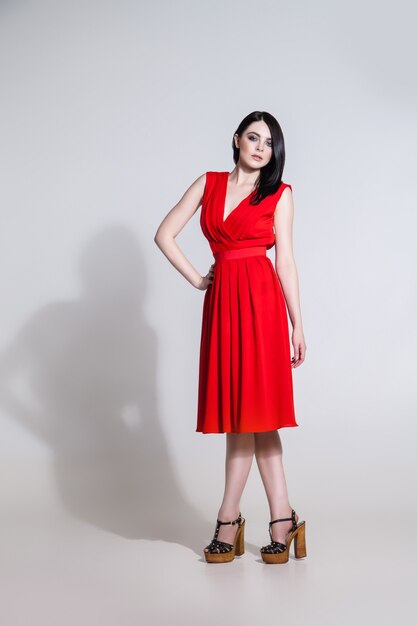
285 519
235 521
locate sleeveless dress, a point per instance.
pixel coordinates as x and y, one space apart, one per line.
245 374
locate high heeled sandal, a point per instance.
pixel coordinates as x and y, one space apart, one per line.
276 552
222 552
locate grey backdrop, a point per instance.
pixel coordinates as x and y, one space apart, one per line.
109 111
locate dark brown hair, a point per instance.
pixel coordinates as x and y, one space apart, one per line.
271 174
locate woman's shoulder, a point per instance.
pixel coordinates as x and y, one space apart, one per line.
211 182
212 176
282 187
216 173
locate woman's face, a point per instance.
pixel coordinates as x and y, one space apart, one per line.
255 142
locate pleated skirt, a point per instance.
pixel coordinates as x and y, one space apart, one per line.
245 374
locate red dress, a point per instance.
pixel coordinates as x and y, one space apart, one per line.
245 374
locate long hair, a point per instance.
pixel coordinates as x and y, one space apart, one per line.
271 174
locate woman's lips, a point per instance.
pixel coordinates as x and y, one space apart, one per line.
255 156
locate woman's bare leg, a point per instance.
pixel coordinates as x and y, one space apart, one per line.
268 453
240 448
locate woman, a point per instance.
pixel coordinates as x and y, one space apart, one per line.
245 376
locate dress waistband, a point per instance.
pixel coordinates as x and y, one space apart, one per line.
238 253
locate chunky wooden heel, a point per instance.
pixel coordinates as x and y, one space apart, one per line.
222 552
276 552
300 550
240 540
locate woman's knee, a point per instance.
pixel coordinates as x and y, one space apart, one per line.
269 439
241 440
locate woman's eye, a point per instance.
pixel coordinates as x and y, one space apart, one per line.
254 138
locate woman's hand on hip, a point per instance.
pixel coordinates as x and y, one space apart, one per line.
207 279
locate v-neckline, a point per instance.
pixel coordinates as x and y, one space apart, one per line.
225 198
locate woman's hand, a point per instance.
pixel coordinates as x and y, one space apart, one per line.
207 279
299 346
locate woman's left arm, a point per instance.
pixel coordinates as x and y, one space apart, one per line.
286 270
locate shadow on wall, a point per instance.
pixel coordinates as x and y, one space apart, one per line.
91 365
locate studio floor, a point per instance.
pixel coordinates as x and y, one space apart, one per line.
58 569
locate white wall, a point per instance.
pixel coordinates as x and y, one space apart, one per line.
109 111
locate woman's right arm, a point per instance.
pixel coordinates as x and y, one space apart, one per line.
172 225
